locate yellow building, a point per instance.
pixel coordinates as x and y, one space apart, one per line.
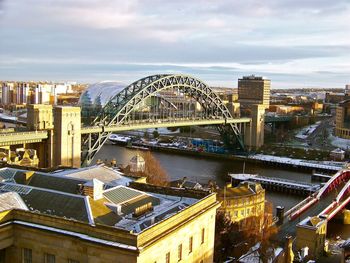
342 121
48 218
243 201
311 234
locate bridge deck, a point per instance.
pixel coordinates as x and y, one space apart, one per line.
13 138
160 124
289 227
285 183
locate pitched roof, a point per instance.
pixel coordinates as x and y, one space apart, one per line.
6 173
51 202
100 172
11 200
48 181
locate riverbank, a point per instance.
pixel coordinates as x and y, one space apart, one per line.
285 162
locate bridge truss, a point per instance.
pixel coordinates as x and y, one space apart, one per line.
133 105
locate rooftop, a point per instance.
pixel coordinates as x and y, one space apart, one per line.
244 189
60 194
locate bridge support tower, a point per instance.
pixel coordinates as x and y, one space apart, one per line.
67 136
40 117
254 138
63 146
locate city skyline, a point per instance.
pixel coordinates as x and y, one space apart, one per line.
294 43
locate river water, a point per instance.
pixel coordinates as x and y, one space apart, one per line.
203 169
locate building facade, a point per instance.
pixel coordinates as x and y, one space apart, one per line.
254 90
342 121
18 94
52 218
243 201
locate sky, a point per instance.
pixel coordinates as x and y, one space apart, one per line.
295 43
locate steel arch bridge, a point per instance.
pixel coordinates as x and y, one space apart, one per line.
117 110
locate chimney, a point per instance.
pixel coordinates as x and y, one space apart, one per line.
280 214
94 189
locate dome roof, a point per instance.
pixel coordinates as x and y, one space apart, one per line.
100 93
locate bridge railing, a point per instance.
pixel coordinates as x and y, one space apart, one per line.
7 134
325 188
298 206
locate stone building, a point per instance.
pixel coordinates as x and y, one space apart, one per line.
342 121
48 218
311 233
243 201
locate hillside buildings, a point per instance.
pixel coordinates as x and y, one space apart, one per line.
19 94
69 217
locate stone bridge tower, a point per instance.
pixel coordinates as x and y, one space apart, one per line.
67 136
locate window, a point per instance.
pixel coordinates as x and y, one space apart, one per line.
179 252
49 258
203 233
27 255
190 245
167 257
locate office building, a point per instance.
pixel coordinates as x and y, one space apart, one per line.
254 90
342 120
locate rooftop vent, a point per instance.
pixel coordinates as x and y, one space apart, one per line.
94 189
143 209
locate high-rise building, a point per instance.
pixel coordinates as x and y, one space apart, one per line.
254 90
22 93
347 89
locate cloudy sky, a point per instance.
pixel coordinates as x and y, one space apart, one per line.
295 43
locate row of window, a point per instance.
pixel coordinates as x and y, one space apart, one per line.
27 254
247 212
244 201
27 257
190 247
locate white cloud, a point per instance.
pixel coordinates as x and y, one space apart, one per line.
286 37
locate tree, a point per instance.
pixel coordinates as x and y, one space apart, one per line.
153 171
235 239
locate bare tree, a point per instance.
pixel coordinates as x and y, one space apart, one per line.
153 170
235 239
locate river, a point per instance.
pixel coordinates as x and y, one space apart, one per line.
203 169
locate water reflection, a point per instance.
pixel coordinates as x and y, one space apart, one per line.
203 169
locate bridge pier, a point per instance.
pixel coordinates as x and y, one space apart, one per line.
67 136
63 124
255 137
